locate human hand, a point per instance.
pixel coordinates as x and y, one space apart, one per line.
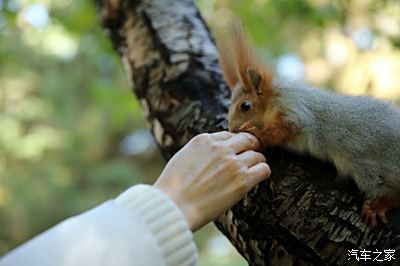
211 173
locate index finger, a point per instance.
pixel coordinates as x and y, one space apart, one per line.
222 135
243 142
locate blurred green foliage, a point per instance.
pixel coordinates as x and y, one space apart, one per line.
63 114
65 102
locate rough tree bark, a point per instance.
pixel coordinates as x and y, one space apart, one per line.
299 216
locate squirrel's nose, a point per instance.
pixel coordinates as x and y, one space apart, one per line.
231 128
240 128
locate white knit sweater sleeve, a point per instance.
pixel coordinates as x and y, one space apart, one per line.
140 227
165 221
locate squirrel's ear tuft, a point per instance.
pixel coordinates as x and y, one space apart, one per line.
252 74
228 66
255 79
239 63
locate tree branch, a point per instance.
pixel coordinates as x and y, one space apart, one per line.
301 215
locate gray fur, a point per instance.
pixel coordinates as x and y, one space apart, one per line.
360 135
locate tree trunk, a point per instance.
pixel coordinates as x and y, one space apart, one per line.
301 215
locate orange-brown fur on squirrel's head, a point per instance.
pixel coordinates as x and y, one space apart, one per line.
252 94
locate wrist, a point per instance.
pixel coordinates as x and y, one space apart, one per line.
191 214
188 210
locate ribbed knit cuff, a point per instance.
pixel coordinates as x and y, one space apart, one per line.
166 222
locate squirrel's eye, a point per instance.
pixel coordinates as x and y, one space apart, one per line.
245 106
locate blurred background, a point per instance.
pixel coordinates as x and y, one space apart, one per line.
72 134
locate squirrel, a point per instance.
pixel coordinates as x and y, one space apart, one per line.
360 135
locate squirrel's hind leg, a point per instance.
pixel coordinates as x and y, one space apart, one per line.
381 198
372 209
